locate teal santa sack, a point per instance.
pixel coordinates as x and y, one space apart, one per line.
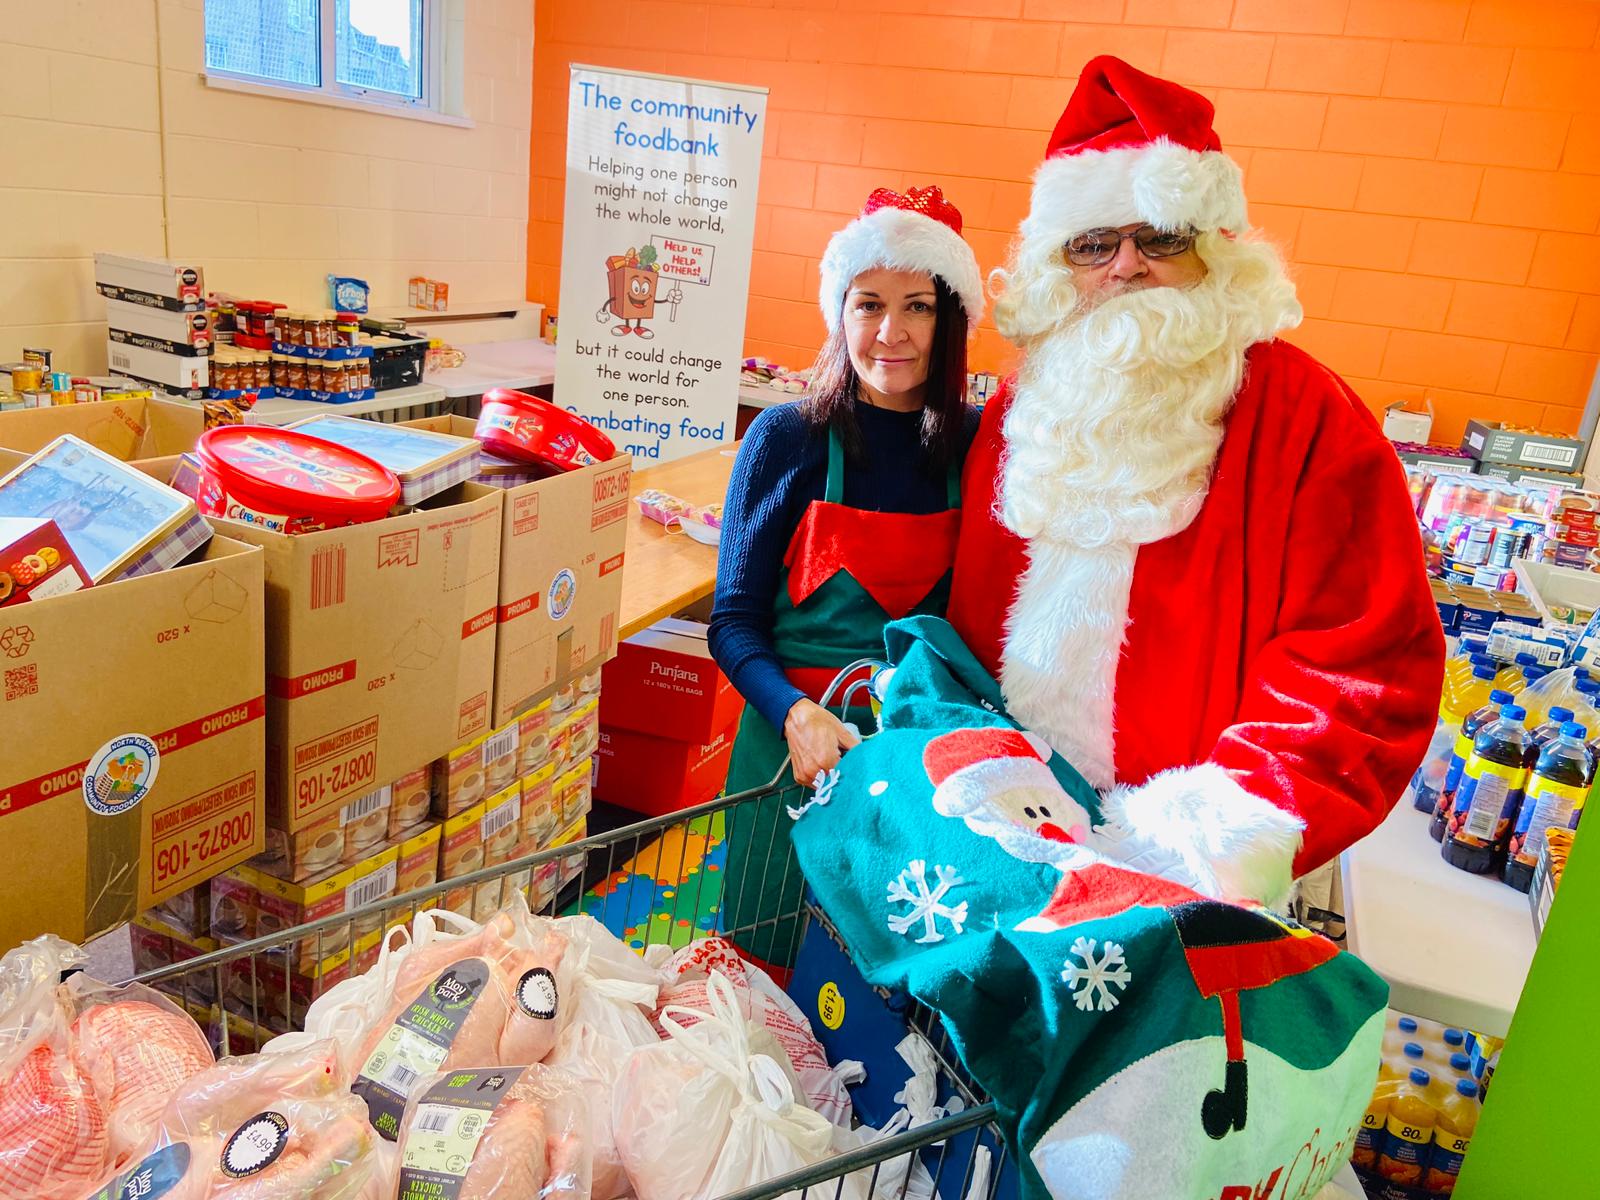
1141 1041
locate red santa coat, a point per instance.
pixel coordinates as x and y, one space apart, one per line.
1284 647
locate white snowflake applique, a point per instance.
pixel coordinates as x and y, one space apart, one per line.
927 904
1091 982
822 791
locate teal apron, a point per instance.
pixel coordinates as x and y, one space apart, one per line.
846 574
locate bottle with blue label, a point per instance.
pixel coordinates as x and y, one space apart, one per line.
1473 722
1452 1134
1556 787
1408 1140
1447 750
1486 804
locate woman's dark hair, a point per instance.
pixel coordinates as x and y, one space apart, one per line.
831 399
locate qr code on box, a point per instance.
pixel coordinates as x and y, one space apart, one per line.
22 681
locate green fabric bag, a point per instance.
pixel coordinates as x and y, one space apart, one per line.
1139 1040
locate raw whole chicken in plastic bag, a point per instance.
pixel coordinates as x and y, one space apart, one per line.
85 1070
495 1133
687 973
708 1112
261 1127
482 995
609 993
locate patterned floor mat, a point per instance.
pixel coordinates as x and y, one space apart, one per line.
668 893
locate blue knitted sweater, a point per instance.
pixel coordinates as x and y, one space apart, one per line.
782 467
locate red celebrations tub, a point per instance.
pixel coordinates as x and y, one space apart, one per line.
523 427
290 482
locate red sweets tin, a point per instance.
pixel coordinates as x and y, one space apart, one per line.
290 482
528 429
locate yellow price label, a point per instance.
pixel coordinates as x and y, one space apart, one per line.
830 1006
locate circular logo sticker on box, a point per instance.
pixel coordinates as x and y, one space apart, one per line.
255 1145
563 591
120 774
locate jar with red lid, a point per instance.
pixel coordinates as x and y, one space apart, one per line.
349 328
527 429
289 482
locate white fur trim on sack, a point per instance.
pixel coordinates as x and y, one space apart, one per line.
1238 843
1163 184
902 241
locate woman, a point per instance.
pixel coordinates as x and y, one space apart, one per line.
841 516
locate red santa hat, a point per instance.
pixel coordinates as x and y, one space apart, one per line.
1133 148
967 766
918 231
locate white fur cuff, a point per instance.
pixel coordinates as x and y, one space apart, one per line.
1239 846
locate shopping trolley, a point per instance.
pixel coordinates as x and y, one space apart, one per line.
655 882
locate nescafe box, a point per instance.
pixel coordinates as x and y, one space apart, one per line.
151 282
36 561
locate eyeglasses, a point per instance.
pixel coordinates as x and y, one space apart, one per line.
1097 247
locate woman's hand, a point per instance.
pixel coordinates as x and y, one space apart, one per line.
816 739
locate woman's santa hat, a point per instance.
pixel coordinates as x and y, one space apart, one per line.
918 231
1133 148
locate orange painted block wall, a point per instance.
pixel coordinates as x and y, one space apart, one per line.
1430 167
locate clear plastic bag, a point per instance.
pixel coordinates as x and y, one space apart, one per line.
496 1133
260 1127
688 973
610 993
137 1048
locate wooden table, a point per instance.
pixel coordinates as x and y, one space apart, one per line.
664 572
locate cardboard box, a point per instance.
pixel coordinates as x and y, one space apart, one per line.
575 736
37 562
192 329
130 430
410 799
502 824
461 853
304 854
657 776
1491 443
156 283
1561 479
458 781
501 757
664 682
247 903
188 913
130 717
181 371
561 554
533 737
541 819
418 862
380 648
574 792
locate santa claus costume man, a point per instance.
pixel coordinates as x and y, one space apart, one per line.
1186 549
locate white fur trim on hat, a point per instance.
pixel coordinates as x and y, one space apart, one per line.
967 791
900 240
1162 184
1239 846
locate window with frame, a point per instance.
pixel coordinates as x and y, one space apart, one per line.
383 53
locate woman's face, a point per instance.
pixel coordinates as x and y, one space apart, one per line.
889 318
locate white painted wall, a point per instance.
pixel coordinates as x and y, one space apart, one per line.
111 140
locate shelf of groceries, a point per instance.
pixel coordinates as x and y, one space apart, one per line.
1451 921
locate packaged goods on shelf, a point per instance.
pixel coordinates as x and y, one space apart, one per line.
153 283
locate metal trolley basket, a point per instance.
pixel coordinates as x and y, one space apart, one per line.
248 984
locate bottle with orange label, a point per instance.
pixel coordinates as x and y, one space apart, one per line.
1556 788
1408 1131
1452 1133
1490 795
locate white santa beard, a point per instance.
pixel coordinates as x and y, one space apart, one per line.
1110 441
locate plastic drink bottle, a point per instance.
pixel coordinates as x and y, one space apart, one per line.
1547 732
1485 805
1451 738
1408 1131
1557 784
1510 676
1458 1117
1374 1125
1462 750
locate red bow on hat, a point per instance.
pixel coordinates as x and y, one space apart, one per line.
928 201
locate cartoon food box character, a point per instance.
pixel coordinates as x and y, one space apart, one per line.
632 279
